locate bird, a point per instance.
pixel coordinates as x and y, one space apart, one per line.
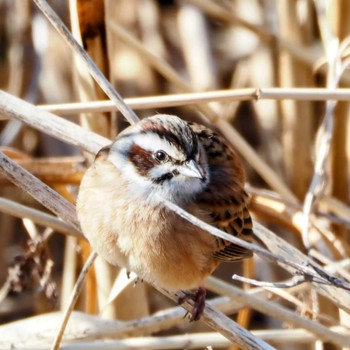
122 213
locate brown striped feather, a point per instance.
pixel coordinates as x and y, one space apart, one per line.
225 200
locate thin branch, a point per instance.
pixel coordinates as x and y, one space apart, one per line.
295 336
93 327
51 124
338 267
299 52
91 142
206 112
232 330
279 312
41 192
106 86
83 326
173 100
268 194
56 203
317 184
336 207
294 281
73 299
201 340
86 140
52 170
307 269
21 211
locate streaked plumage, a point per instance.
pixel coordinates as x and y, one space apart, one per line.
121 215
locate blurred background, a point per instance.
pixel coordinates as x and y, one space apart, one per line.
154 48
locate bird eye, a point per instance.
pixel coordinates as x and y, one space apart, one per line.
161 156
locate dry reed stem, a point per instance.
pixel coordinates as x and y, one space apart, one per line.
339 170
21 211
193 98
86 328
285 315
58 170
238 142
302 54
198 54
45 127
334 205
49 123
201 340
296 133
300 265
85 85
70 266
106 86
271 207
317 184
56 203
338 267
97 327
41 192
224 325
162 320
73 299
194 38
268 294
100 123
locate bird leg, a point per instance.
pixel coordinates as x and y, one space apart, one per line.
198 297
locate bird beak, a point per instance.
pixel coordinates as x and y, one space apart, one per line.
192 169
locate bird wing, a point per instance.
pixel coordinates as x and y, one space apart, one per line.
224 199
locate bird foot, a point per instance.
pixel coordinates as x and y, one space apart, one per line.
132 275
198 297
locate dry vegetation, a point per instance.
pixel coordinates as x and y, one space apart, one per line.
253 70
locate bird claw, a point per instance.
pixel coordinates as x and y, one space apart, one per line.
136 279
198 297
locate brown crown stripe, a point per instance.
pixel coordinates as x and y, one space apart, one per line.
187 142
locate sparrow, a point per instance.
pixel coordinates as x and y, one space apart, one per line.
122 214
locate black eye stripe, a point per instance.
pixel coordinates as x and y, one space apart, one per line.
165 177
178 136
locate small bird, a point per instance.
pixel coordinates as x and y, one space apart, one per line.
121 213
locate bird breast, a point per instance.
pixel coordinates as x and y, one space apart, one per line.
153 242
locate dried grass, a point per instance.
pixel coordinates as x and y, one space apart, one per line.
271 89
